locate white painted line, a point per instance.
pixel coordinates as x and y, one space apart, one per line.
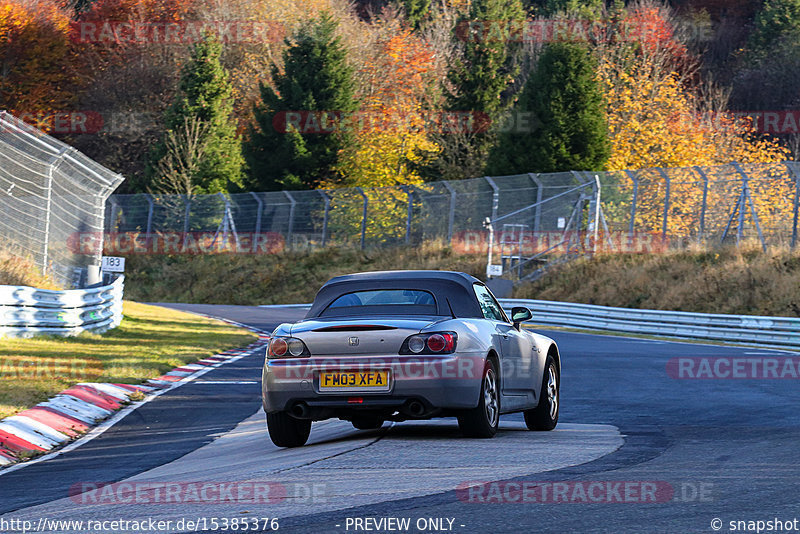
31 425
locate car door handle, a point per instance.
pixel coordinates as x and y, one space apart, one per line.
505 336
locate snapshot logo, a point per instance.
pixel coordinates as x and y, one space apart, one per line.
568 492
175 32
175 243
196 492
736 368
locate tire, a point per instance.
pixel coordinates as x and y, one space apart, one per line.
367 423
545 415
287 431
482 421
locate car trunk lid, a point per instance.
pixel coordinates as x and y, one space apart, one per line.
358 335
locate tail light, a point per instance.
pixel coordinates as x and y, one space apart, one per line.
287 347
433 343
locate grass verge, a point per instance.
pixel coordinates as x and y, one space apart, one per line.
149 342
287 278
740 281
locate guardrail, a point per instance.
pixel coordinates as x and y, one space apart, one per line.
27 311
779 332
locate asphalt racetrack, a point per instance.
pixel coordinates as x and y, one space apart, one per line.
637 449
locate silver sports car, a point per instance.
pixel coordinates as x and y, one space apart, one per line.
401 345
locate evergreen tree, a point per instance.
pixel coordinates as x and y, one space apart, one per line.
776 25
481 78
204 104
564 97
416 11
549 8
316 85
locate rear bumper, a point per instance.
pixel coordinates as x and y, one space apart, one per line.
450 381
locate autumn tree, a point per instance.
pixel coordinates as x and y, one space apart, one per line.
565 102
205 95
479 79
316 87
391 133
657 119
36 56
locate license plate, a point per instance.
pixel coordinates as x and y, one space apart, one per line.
353 380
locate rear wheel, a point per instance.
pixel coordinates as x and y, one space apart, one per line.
367 422
482 421
545 415
287 431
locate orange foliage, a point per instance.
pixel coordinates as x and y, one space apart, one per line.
35 52
140 10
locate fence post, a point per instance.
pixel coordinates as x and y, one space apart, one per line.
259 213
537 217
327 198
664 224
793 170
746 196
452 216
596 216
410 211
635 180
114 208
48 208
290 229
150 207
495 196
187 199
701 231
363 218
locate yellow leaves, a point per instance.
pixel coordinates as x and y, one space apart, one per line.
34 56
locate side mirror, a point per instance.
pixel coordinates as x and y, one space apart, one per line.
519 315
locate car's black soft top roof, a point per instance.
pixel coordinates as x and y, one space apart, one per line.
452 290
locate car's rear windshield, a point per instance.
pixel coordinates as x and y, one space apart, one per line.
383 301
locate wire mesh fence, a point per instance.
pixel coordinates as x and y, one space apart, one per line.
529 214
51 195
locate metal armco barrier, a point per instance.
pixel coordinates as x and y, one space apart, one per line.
748 329
27 311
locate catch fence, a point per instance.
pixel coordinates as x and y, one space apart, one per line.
50 195
517 219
